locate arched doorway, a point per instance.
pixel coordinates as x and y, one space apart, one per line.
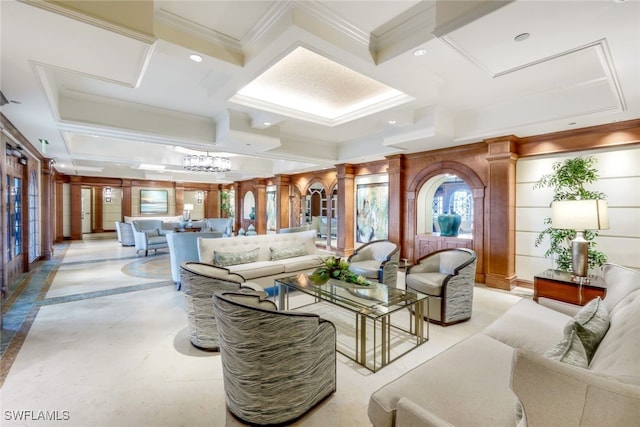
420 220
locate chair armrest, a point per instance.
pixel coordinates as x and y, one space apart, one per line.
558 394
409 414
560 306
215 272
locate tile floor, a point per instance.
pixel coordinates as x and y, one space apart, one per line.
97 339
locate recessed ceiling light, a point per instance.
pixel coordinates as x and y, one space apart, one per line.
195 58
522 37
420 52
267 123
392 122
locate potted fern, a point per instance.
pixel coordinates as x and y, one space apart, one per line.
568 181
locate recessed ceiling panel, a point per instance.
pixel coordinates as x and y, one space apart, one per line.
307 85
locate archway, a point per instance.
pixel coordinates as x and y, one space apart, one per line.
418 244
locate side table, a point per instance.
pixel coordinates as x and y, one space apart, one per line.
559 285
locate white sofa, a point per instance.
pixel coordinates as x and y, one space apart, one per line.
264 257
506 376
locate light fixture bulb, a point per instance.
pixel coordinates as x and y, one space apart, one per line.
195 58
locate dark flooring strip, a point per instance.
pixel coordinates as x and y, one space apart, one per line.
107 292
20 315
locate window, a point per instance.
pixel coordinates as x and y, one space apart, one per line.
17 216
34 229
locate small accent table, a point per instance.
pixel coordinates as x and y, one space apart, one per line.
187 229
561 286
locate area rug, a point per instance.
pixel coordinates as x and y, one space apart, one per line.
152 267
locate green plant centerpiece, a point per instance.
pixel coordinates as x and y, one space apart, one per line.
336 268
568 181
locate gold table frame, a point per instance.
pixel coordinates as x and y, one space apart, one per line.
373 306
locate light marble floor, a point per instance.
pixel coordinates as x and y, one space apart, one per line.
105 348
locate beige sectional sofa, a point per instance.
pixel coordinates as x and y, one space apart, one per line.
262 258
530 368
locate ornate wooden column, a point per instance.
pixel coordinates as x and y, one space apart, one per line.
500 232
46 213
212 201
346 209
76 208
126 198
283 189
260 223
396 200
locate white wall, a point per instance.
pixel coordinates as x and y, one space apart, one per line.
111 211
619 172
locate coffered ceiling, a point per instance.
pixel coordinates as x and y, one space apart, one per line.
291 86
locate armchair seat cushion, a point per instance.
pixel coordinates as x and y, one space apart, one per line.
368 268
157 240
426 283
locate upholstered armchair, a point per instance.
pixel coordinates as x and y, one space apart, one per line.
448 277
219 225
199 281
184 247
295 229
124 232
377 260
276 365
149 234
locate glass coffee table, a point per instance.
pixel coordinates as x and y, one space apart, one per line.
363 316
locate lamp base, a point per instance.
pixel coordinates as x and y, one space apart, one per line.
580 255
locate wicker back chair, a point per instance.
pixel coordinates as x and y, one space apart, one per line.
277 365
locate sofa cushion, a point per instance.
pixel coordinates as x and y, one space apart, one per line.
224 259
570 350
618 353
257 269
476 370
426 283
529 325
288 252
594 321
306 262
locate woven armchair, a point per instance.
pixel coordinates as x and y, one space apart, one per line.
276 365
199 281
377 260
448 277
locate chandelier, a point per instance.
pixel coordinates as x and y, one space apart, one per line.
206 163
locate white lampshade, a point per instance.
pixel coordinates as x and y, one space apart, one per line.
188 207
580 215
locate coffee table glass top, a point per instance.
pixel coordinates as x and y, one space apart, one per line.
375 300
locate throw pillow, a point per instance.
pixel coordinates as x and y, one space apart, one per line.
570 350
594 321
284 253
224 259
152 233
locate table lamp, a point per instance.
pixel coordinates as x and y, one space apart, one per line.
188 207
580 215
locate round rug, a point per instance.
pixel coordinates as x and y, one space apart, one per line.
156 267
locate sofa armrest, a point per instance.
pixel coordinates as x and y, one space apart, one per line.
409 414
558 394
560 306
